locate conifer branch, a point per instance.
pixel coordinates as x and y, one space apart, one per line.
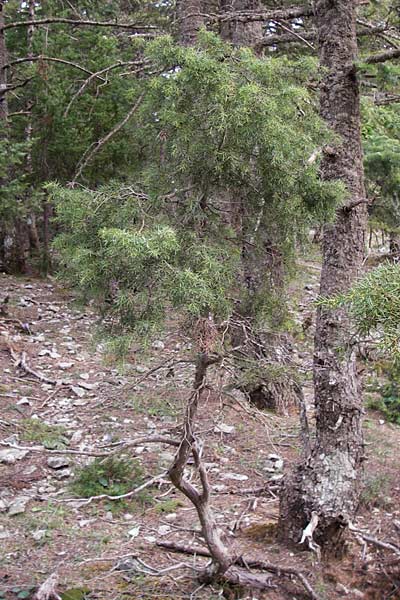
39 58
374 59
96 146
77 22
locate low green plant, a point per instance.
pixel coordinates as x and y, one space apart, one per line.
112 476
51 436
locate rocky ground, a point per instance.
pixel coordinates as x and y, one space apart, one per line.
65 403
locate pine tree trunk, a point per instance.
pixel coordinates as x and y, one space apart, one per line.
190 19
3 72
325 488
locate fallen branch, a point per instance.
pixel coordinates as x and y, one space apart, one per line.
244 562
142 487
392 547
54 451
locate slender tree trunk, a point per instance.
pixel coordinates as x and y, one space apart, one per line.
324 490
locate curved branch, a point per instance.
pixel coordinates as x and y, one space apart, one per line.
69 63
96 146
374 59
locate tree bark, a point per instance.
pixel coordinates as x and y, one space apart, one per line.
325 488
3 71
239 32
190 19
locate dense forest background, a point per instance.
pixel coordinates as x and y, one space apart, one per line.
175 165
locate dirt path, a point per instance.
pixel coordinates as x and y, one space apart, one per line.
60 392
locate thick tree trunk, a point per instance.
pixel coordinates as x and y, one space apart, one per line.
325 488
242 33
189 15
3 72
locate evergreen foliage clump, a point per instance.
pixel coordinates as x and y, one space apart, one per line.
224 141
374 304
112 476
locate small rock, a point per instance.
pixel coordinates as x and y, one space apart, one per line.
128 517
11 455
57 462
77 436
80 402
164 529
84 376
78 391
62 474
171 517
219 487
24 402
109 515
65 365
234 476
39 534
224 428
86 522
158 345
18 505
4 533
134 532
141 369
29 470
150 538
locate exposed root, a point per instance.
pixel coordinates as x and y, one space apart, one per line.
235 575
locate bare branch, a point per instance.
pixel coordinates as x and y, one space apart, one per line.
246 16
104 71
310 36
245 562
94 148
382 56
39 58
77 22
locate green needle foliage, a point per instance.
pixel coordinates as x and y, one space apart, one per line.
374 304
220 147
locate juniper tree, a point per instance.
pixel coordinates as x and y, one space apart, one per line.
218 122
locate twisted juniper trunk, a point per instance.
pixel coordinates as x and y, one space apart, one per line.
325 488
263 271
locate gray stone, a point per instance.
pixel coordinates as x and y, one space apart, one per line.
18 505
57 462
158 345
62 474
39 534
11 455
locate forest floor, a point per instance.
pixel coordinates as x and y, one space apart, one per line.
46 528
